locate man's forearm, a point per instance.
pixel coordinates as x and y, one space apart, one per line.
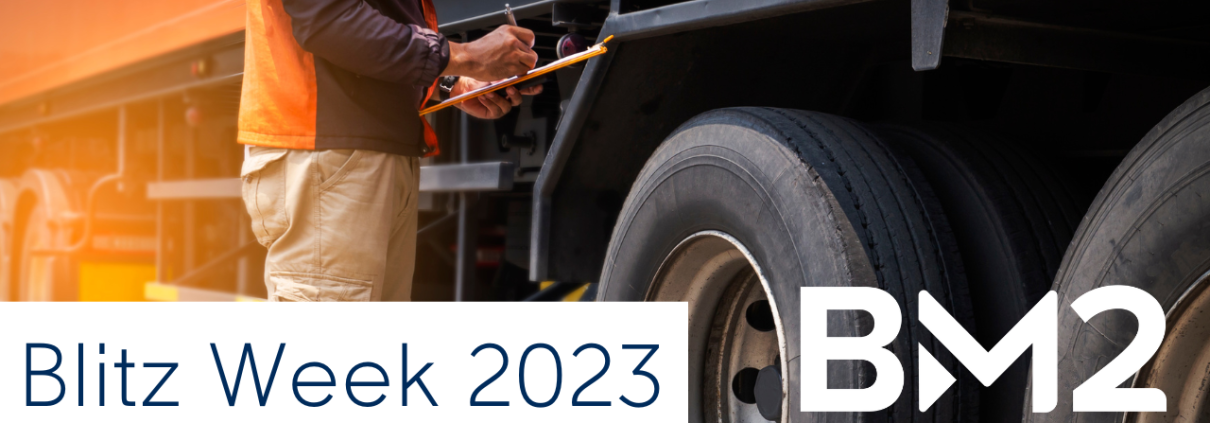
458 61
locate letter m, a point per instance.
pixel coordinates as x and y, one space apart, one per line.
1036 329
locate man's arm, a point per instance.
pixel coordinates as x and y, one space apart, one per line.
355 36
502 53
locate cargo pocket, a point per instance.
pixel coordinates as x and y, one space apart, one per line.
264 192
312 287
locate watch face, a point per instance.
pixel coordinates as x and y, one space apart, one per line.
447 83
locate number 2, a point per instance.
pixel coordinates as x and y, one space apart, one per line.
575 399
503 366
1100 392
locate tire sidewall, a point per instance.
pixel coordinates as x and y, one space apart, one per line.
1148 228
723 172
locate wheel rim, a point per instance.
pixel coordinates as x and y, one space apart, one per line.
736 336
1181 367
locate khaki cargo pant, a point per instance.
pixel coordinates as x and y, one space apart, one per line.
340 225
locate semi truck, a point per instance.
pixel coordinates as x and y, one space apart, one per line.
724 153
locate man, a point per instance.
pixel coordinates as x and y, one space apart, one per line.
329 116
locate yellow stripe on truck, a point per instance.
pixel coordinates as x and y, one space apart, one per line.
572 296
159 292
155 291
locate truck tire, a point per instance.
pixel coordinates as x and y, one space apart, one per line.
1149 228
39 277
1012 218
8 198
738 209
37 274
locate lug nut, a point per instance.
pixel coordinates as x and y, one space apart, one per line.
768 393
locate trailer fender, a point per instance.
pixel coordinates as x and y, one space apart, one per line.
928 32
626 103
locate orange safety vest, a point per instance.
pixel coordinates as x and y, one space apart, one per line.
430 137
283 104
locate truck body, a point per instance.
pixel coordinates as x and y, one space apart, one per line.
982 150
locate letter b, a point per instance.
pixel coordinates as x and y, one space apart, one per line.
817 348
30 373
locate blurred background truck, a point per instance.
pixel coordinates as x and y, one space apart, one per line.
119 178
723 153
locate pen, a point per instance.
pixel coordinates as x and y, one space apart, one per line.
512 20
508 11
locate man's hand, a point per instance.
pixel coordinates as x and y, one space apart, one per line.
492 105
503 53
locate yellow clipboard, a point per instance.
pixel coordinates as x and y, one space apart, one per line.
593 51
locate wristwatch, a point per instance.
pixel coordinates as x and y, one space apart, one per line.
446 83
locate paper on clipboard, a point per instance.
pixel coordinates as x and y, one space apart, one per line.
593 51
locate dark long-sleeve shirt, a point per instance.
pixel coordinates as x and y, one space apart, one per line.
381 39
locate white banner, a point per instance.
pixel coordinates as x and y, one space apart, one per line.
189 356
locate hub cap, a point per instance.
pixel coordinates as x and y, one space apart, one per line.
736 340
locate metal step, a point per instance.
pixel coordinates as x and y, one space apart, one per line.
470 177
194 189
487 176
